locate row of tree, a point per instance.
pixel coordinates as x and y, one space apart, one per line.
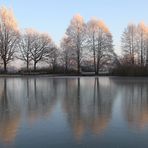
29 46
90 42
85 44
135 44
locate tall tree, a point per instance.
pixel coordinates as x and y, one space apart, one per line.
67 56
129 43
142 42
9 36
76 33
105 51
92 28
146 43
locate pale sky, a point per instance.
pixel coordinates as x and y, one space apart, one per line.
53 16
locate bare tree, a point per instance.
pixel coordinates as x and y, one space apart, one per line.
146 44
142 42
76 33
104 49
92 28
9 36
135 44
100 42
26 46
41 44
52 55
67 55
129 42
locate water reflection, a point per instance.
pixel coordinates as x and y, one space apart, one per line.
49 109
9 114
41 98
29 99
135 103
88 105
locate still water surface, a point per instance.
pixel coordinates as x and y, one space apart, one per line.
43 112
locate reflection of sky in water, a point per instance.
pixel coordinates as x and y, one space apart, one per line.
73 112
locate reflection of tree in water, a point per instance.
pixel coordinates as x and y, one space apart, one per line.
101 109
9 114
41 96
32 97
88 105
136 103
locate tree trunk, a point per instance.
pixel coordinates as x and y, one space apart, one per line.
78 53
95 62
97 71
133 58
142 50
98 58
27 62
34 66
5 67
27 65
94 52
147 57
141 57
66 65
78 62
53 68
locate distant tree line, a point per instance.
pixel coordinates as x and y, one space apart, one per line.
134 44
86 46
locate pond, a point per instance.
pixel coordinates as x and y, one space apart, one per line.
73 112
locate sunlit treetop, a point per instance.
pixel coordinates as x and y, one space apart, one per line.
142 27
78 22
146 31
102 26
93 24
78 19
8 19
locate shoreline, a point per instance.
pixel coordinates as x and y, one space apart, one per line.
66 75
